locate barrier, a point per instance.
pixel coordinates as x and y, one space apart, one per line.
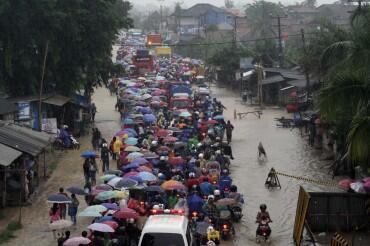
338 240
301 213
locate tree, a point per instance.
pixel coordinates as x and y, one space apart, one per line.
346 96
229 4
177 14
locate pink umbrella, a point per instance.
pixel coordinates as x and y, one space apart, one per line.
76 241
130 174
345 183
144 169
112 224
365 180
170 139
100 227
367 185
94 192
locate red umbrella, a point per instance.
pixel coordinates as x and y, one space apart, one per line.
211 122
345 183
176 160
173 185
170 139
126 213
163 149
111 223
163 133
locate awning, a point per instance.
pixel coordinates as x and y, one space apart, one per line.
272 80
57 100
24 139
8 155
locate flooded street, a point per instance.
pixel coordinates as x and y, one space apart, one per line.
287 152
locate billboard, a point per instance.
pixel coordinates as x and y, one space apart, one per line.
24 112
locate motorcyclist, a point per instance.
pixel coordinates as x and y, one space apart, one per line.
225 180
192 181
235 195
206 188
195 203
210 209
154 146
202 161
204 175
263 215
213 236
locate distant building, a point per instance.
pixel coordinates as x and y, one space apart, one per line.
338 14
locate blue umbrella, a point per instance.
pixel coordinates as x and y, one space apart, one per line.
105 218
130 166
131 141
219 117
137 178
58 198
149 118
145 110
88 154
147 176
139 161
128 121
111 206
132 131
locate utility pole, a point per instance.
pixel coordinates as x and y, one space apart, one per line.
281 56
307 75
259 69
235 30
42 84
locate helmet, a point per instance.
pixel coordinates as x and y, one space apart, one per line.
218 152
263 207
162 158
225 171
191 175
156 207
211 197
216 192
211 243
105 145
201 155
204 171
199 145
210 229
131 220
161 176
218 138
154 143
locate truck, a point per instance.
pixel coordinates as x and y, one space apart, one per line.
163 51
153 39
180 97
143 61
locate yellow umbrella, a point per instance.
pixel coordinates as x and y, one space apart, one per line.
121 194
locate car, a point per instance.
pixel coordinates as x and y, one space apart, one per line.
166 229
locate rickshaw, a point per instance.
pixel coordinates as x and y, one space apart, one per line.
214 171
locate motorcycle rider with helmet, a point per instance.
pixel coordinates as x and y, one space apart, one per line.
263 215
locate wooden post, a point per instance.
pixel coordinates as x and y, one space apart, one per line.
4 190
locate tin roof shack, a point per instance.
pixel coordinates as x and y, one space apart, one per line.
8 110
21 152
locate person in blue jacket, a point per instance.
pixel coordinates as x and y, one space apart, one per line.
195 203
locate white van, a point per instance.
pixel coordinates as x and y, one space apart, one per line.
166 230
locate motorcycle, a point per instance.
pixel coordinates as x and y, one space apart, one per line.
236 213
263 231
227 229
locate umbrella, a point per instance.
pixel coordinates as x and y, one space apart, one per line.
134 155
94 191
358 187
185 114
147 176
163 149
345 183
105 218
154 188
87 213
107 177
145 110
126 213
125 183
132 149
367 185
170 139
226 201
115 172
149 118
179 145
113 181
201 227
100 227
122 194
104 187
132 131
110 206
137 179
88 154
174 129
365 180
149 155
76 241
105 195
131 141
175 160
173 185
144 169
211 122
130 166
112 224
123 133
129 174
96 208
140 161
219 117
60 224
162 133
58 198
76 190
146 96
128 121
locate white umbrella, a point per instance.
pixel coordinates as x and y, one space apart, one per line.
100 227
60 224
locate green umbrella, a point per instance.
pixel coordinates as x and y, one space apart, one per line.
107 177
106 195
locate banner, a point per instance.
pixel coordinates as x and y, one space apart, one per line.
49 125
24 110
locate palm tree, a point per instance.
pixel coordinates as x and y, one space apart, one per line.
346 97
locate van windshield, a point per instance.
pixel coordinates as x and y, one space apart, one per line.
160 239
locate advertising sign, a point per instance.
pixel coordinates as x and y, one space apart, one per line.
24 110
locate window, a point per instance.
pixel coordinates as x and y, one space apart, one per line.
161 239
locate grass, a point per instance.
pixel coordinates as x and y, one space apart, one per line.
8 233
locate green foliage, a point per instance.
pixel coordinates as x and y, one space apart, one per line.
80 34
229 4
8 233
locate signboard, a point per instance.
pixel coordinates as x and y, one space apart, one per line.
24 110
49 125
246 63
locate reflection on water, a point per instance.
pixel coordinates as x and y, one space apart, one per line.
286 151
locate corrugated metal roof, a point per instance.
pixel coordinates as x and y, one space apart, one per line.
7 107
272 80
57 100
8 155
24 139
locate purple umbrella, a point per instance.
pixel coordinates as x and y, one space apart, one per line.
145 110
139 161
130 166
111 206
149 118
137 178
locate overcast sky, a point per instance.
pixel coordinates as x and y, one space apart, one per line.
189 3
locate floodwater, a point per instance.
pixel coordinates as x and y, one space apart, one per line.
287 152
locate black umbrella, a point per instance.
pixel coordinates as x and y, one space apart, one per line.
58 198
154 188
76 190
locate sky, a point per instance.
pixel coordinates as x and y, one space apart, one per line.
219 3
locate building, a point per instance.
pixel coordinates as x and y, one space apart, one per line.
8 110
